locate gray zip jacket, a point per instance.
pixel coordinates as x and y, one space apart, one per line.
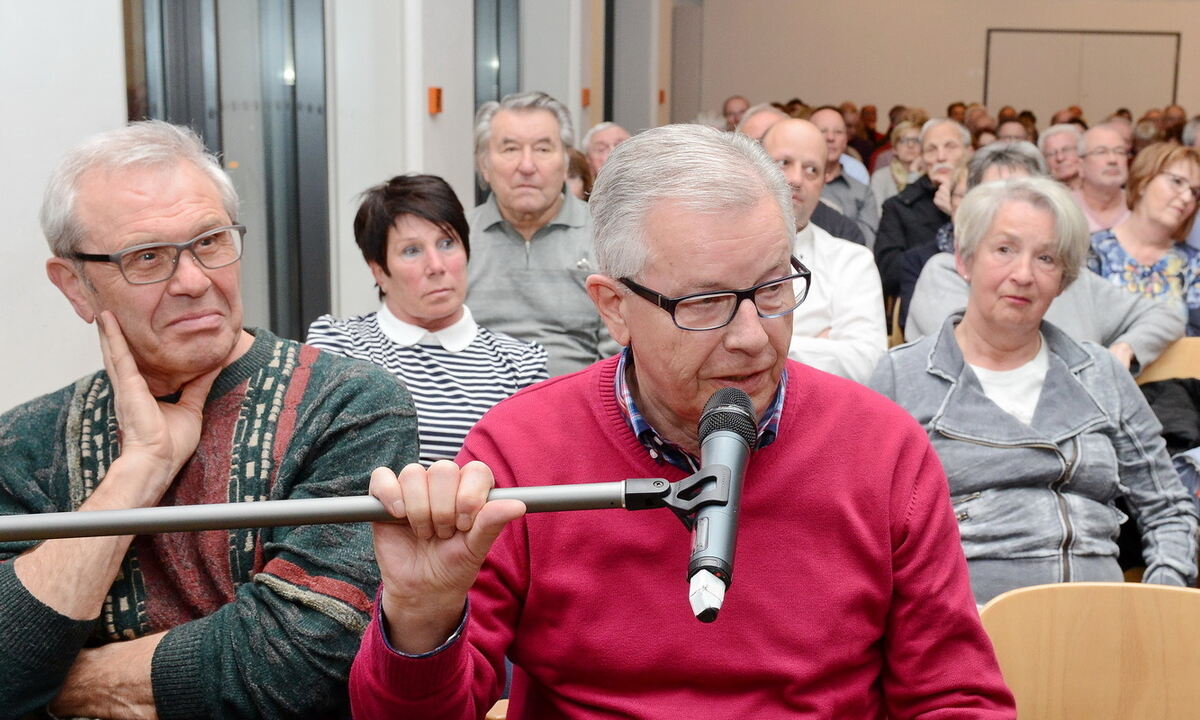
1047 489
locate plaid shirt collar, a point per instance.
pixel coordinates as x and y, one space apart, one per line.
663 450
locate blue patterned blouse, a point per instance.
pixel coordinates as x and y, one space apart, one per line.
1174 279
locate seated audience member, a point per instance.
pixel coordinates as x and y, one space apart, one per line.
531 240
1124 112
733 108
995 162
1103 170
1038 433
758 119
1063 116
856 136
191 408
873 162
869 117
1145 133
844 193
579 174
1173 119
957 111
1012 131
755 124
1144 253
839 328
1191 138
600 141
413 235
591 610
1123 127
911 218
905 166
1136 329
977 119
982 137
1062 146
1029 120
1006 113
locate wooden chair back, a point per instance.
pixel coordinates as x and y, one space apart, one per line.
1181 359
1099 650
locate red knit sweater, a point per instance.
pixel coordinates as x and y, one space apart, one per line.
850 596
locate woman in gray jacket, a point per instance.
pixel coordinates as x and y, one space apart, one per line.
1038 434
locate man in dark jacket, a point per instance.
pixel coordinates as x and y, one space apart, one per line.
911 219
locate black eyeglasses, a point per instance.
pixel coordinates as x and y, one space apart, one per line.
712 310
156 262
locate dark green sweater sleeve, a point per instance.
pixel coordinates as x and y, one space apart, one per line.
284 647
37 644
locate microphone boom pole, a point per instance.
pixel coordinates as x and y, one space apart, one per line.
633 494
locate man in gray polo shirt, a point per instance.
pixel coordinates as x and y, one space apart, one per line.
848 196
531 242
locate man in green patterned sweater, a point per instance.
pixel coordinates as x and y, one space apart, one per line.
191 408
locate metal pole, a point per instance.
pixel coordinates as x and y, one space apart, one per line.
276 513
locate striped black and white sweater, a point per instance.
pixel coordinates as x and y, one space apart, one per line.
455 375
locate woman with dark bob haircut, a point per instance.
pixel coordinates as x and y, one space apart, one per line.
414 237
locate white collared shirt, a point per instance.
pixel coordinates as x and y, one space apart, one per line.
846 299
454 338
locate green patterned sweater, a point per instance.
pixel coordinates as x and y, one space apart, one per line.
261 623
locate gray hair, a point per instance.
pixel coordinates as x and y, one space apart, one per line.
598 128
1062 128
521 102
700 168
931 124
978 211
1189 131
1021 155
759 108
143 144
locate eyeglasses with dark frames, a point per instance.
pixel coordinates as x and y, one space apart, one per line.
713 310
156 262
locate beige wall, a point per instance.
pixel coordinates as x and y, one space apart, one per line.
62 74
921 52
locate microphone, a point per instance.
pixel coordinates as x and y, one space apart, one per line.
728 431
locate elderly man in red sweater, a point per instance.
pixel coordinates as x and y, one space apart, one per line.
852 597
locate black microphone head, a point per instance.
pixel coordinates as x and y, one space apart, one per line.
729 409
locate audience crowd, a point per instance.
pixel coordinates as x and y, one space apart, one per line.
571 325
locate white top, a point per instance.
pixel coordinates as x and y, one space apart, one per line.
455 375
1017 391
845 297
454 338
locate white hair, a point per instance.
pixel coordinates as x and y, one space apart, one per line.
586 144
759 108
144 144
931 124
1062 128
699 168
978 211
521 102
1020 154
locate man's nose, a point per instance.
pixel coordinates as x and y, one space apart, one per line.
526 165
746 332
190 276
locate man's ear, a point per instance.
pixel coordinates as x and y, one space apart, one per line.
606 295
68 279
484 170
